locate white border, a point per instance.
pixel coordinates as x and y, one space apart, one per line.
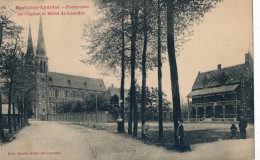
256 12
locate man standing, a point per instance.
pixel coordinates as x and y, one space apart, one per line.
242 127
180 135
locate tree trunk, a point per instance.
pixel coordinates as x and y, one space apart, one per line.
122 87
14 121
22 112
160 73
2 134
173 67
143 97
9 105
133 103
19 113
1 33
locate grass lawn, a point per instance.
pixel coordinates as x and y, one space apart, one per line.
195 133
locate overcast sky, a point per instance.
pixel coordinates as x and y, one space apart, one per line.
223 38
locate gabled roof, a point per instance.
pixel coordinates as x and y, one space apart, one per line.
116 91
77 82
221 89
216 78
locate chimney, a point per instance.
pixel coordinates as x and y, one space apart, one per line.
219 66
248 58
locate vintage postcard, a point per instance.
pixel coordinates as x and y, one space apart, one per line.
127 79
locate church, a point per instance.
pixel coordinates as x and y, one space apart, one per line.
54 89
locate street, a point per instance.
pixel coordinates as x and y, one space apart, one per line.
51 140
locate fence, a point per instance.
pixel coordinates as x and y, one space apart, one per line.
101 117
105 117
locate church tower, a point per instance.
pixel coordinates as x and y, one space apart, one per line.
42 76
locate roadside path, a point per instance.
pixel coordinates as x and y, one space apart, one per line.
68 142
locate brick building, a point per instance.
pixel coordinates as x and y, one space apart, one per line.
54 89
223 94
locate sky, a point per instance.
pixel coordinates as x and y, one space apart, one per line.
224 37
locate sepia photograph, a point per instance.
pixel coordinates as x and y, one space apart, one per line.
127 79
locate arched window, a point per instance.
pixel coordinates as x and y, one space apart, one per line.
44 67
41 67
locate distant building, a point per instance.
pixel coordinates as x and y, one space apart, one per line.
116 91
223 94
54 89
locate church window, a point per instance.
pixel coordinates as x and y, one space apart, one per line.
68 81
41 67
56 92
43 110
44 67
85 83
50 79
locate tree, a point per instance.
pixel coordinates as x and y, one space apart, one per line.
2 134
159 71
114 105
122 87
188 10
108 36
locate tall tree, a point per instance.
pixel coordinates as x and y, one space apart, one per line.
122 87
159 71
173 67
144 63
134 29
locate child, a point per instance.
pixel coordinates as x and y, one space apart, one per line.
233 129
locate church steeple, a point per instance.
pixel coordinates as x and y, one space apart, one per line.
40 44
30 51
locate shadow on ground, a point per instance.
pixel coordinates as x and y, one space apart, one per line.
191 137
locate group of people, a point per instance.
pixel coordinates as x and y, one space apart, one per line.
242 127
180 131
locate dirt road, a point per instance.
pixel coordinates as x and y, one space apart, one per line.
51 140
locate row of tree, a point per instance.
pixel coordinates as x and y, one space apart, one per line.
17 72
127 36
105 102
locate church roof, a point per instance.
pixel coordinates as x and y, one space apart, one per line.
77 82
40 43
219 77
30 51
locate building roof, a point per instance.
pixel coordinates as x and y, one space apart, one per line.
40 43
116 91
77 82
216 78
221 89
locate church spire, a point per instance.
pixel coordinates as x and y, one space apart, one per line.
29 44
40 44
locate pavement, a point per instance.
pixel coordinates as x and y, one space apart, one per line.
56 141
